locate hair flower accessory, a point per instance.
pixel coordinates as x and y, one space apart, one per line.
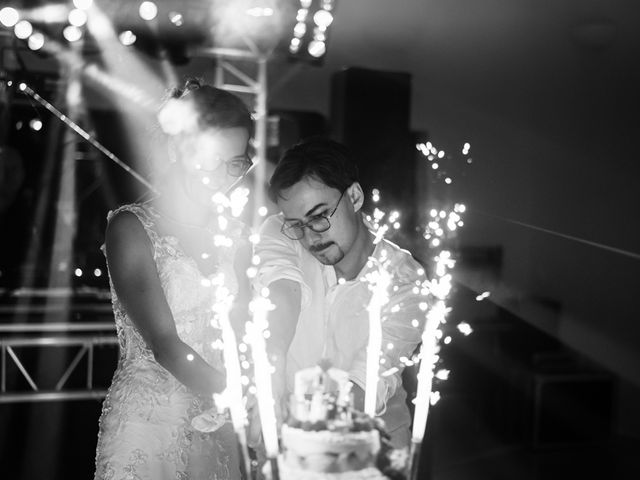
178 116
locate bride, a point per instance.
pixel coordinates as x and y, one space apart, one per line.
163 261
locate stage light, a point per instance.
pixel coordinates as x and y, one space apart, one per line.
310 32
127 38
35 124
9 17
78 272
83 4
36 41
71 33
23 29
148 11
317 48
176 18
323 19
77 17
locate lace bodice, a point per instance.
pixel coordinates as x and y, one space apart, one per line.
145 425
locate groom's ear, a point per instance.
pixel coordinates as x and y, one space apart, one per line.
356 196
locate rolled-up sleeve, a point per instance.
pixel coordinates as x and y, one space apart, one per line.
402 321
280 258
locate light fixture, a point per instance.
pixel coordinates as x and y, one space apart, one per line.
9 16
310 31
36 41
23 29
72 33
148 11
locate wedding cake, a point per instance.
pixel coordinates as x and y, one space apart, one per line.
325 438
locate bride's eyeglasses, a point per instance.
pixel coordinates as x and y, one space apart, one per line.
236 166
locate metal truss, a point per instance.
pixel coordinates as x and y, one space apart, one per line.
87 336
245 72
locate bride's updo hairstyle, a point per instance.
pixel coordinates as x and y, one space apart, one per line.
214 107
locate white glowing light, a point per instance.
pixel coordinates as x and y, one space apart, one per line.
482 296
148 11
447 340
9 17
465 328
206 180
23 29
127 38
294 46
415 323
300 29
97 272
447 181
36 124
301 16
260 12
442 374
322 18
316 48
77 17
190 357
36 41
441 154
83 4
71 33
78 272
434 166
176 18
262 211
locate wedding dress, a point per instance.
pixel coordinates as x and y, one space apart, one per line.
145 427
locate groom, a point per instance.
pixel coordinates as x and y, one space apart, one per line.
313 256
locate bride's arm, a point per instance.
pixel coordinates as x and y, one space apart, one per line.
135 279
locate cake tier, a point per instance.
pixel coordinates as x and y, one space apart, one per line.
288 473
329 452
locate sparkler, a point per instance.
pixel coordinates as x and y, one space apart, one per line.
379 281
259 307
233 391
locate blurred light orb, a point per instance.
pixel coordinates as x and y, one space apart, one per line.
148 11
300 29
71 33
302 15
35 124
77 17
78 272
316 48
322 18
176 18
127 38
9 17
447 181
36 41
83 4
23 29
260 12
262 211
97 272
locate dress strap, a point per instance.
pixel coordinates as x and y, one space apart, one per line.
146 218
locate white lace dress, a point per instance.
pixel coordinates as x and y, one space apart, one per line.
145 426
